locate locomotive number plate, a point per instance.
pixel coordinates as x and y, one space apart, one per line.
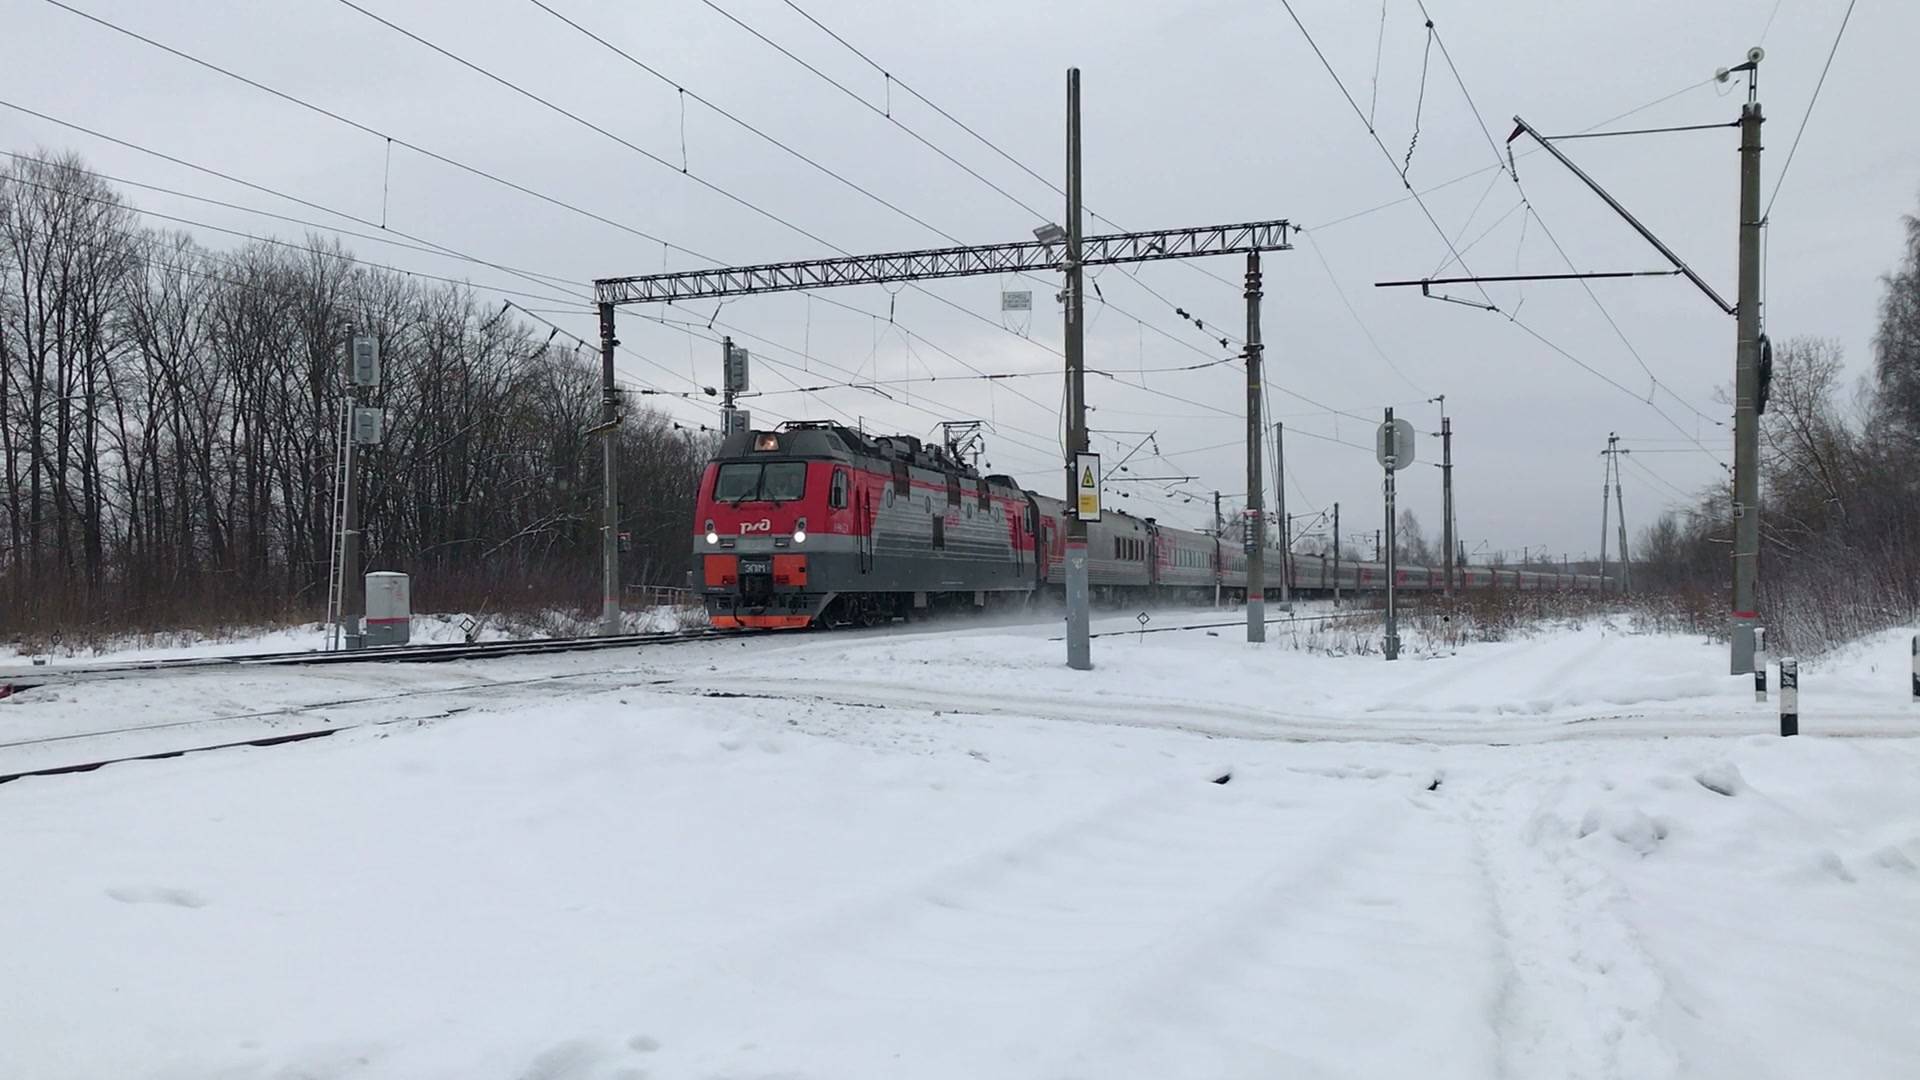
756 566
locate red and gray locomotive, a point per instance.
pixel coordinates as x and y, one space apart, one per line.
814 523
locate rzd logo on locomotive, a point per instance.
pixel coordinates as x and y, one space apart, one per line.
763 525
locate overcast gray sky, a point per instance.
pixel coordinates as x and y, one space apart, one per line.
1193 113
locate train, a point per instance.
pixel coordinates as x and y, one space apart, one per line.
815 524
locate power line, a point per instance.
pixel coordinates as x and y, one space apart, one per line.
1458 81
423 247
1808 115
1465 176
1658 479
434 248
663 162
365 129
1768 28
1610 381
1505 167
1399 171
682 89
530 276
584 122
1608 315
339 256
869 106
1584 285
893 80
1314 243
322 252
1431 220
474 170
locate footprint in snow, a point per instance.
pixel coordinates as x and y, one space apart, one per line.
177 897
575 1059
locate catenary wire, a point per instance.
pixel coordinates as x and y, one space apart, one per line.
1808 115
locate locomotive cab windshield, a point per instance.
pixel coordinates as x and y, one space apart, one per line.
776 482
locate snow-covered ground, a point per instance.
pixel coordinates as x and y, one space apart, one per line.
425 629
933 855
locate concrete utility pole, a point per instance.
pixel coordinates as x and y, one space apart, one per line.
1256 529
1280 507
1393 627
1446 490
1219 568
1746 393
1618 494
1336 554
1620 512
1079 645
1606 506
353 597
609 479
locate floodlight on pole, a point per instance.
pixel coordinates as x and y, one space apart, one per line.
1050 234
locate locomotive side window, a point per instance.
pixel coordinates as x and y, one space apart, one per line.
983 493
939 534
902 480
953 489
784 481
837 491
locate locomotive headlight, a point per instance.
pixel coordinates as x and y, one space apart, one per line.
800 531
712 536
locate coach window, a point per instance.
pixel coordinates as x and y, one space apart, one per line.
837 491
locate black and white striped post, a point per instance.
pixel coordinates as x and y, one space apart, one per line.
1759 664
1916 669
1789 696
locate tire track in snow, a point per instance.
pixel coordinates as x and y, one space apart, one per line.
1189 928
1454 672
1225 721
1372 951
1582 996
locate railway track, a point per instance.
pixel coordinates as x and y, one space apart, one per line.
26 678
264 736
262 727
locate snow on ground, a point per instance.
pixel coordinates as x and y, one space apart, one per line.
924 855
426 629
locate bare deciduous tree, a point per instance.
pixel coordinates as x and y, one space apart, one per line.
169 417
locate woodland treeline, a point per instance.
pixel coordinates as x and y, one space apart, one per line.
1840 519
169 418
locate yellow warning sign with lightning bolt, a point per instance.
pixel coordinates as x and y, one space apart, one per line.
1086 469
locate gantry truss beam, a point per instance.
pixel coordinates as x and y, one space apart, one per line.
1135 247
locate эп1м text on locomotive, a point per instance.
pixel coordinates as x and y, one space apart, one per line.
819 523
